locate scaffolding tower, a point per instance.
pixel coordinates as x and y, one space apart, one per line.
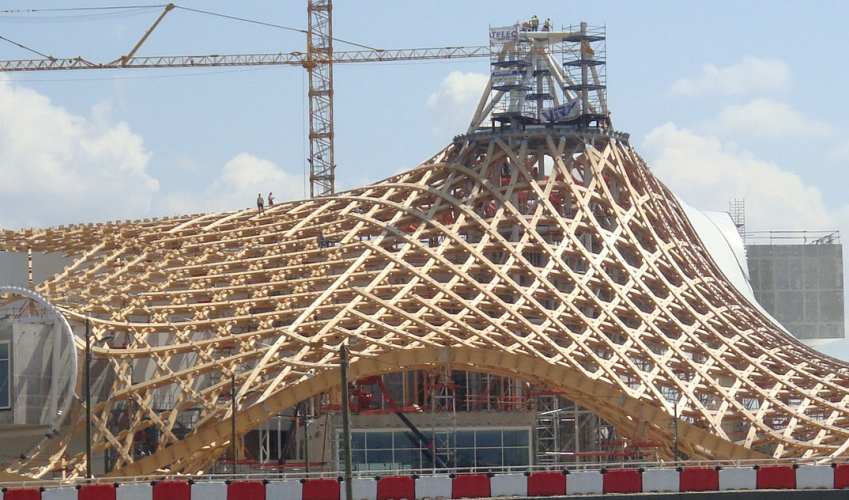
737 211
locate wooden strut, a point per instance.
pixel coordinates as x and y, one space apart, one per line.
587 278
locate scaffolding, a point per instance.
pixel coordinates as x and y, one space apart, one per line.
737 211
584 61
530 86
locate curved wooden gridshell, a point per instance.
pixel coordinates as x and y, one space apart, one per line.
589 279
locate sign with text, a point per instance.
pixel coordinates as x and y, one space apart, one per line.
563 113
506 34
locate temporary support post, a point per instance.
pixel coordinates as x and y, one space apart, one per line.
233 421
346 421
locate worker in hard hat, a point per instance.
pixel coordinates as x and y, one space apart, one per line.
534 23
547 25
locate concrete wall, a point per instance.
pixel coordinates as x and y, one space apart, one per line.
801 286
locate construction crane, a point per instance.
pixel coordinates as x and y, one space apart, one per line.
318 61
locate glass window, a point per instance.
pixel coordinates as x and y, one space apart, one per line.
379 456
5 372
358 440
399 449
488 439
488 457
465 457
464 439
516 438
406 440
379 440
516 456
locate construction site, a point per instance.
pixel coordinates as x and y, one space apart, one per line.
529 296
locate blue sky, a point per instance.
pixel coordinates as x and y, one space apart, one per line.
723 99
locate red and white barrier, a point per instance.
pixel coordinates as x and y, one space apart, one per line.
433 487
473 486
470 486
661 480
321 489
776 477
283 490
841 477
396 488
693 479
59 494
22 494
210 490
546 484
363 488
813 477
585 483
135 491
738 479
97 492
245 490
623 481
509 485
172 490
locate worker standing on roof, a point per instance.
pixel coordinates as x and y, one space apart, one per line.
547 25
259 205
534 23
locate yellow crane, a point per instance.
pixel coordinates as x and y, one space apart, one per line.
318 61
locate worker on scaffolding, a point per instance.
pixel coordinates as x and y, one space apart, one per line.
547 25
534 23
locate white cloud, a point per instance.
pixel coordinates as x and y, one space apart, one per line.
236 188
708 174
750 75
455 102
61 168
766 118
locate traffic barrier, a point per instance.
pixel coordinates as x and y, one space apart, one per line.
546 484
283 490
470 486
245 490
97 492
396 488
815 477
433 487
585 483
172 490
623 481
738 479
362 488
22 494
776 477
321 489
508 485
841 477
135 491
59 494
661 480
209 490
698 479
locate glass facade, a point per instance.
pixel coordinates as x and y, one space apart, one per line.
400 449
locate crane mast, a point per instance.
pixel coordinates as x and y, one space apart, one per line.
319 65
